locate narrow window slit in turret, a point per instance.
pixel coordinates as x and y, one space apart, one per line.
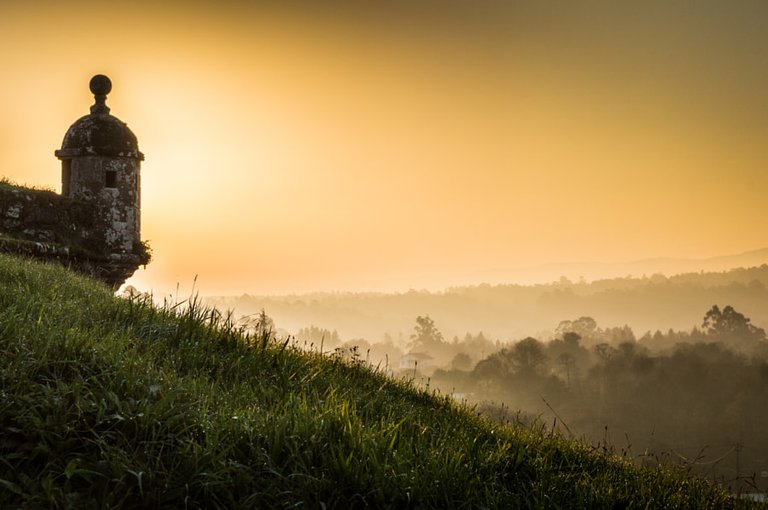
110 179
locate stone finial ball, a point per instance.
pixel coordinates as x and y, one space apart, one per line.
100 85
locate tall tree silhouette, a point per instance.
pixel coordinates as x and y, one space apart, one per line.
426 336
730 325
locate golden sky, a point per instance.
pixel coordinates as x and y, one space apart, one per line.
296 146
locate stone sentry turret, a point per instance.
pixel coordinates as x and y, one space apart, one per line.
100 163
94 226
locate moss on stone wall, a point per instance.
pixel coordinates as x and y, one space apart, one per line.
43 224
44 216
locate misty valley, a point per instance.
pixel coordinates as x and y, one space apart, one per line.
660 370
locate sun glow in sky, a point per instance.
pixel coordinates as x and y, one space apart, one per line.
327 146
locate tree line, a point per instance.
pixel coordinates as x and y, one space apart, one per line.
696 398
693 397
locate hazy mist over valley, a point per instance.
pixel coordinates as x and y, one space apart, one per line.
508 312
670 370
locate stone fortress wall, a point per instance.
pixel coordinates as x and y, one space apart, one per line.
44 225
48 220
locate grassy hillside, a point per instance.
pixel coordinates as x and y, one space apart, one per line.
108 402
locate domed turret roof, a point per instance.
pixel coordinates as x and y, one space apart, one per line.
99 133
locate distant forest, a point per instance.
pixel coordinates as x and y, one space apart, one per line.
695 399
511 312
691 398
671 370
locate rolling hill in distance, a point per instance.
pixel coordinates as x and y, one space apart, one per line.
591 271
646 295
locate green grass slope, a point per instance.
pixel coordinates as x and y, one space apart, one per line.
114 403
